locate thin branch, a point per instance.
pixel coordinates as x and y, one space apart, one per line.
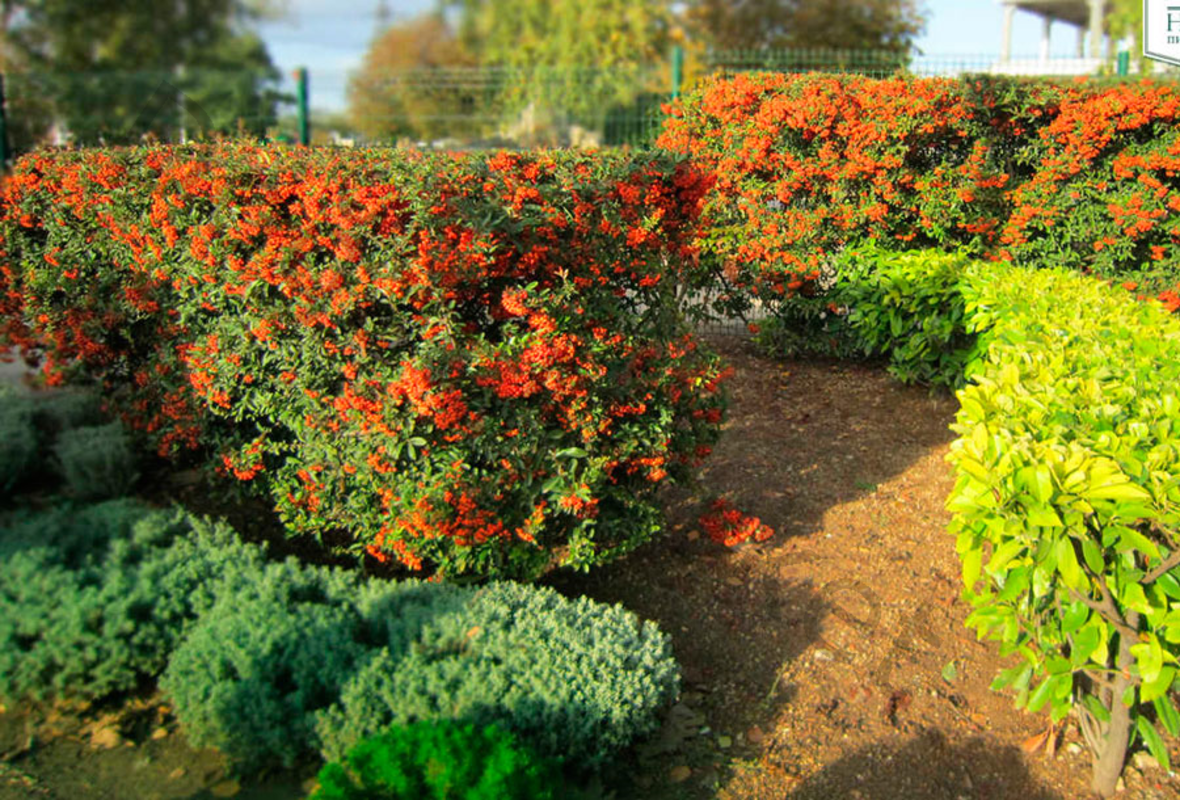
1167 565
1106 609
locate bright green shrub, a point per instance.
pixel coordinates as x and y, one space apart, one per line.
471 363
908 308
301 658
440 760
96 461
1067 503
573 678
93 598
18 437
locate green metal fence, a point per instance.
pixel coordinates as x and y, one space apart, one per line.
446 107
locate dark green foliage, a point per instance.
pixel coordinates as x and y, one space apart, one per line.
96 461
64 409
573 678
18 438
440 760
264 659
93 598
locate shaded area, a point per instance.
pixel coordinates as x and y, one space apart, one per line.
926 766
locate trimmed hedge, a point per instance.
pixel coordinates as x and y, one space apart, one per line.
475 363
1067 501
304 659
1075 175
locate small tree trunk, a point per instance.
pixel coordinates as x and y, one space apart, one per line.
1109 765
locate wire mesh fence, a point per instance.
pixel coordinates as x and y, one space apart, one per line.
462 106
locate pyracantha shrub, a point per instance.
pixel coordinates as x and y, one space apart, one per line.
1078 175
440 760
94 598
728 526
473 363
96 461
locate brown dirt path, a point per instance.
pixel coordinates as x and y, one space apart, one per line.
832 660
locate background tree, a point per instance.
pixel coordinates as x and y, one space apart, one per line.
113 70
576 56
416 80
882 25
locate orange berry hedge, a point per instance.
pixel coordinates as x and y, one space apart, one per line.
475 364
1079 175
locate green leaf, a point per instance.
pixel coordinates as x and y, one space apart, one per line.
972 566
1155 744
1044 517
1169 717
1067 564
1155 689
950 672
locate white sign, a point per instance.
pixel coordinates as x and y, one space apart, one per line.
1161 30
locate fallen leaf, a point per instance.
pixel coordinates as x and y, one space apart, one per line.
694 535
177 774
1034 743
755 735
680 774
159 733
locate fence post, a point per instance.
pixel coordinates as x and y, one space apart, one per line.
677 70
1124 62
3 126
301 94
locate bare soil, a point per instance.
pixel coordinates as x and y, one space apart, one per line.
828 662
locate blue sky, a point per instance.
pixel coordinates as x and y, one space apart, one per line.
330 37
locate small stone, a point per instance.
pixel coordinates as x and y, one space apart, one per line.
755 735
159 733
105 739
1073 749
225 789
822 655
177 774
1144 761
724 742
680 774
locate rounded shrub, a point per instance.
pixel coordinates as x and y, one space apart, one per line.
440 760
93 598
301 658
575 679
251 674
476 365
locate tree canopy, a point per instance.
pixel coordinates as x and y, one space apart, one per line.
888 25
113 70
